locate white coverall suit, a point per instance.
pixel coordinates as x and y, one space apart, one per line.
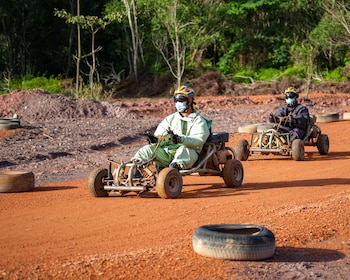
194 131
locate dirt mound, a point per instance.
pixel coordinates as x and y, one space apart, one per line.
34 105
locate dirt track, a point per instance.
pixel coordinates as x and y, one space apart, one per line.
59 231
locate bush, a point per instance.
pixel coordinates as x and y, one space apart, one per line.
269 74
336 75
28 82
295 71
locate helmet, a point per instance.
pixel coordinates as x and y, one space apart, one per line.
291 92
185 90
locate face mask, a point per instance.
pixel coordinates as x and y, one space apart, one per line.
181 106
290 101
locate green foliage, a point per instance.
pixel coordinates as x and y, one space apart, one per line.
336 75
244 40
295 71
269 74
245 76
51 84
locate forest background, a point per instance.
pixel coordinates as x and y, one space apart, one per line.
96 49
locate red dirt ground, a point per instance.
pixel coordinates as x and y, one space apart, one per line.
59 231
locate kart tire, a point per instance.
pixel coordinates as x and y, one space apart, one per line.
328 117
298 153
323 144
242 150
16 181
233 173
265 127
169 183
95 182
9 123
241 242
249 128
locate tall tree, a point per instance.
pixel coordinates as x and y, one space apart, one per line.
93 24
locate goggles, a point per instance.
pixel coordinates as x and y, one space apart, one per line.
291 95
180 98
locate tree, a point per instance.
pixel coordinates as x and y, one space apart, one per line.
93 24
182 29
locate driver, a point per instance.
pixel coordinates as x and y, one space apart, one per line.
186 132
298 115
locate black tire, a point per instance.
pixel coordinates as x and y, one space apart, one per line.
298 152
242 150
95 182
169 183
16 181
323 144
233 173
9 123
234 242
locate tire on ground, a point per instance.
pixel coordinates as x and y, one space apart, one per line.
265 127
327 117
249 128
242 150
234 242
9 123
346 116
16 181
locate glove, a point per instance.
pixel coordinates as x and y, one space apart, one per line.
295 122
176 139
274 119
151 138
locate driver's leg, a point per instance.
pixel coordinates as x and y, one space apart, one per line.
185 157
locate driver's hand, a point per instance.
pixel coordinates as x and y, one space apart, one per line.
274 119
176 139
151 138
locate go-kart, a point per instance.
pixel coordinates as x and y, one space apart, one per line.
271 138
142 177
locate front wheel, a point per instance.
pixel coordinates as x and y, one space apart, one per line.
323 144
95 182
242 150
169 183
233 173
298 150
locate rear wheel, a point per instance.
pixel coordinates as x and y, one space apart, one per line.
95 182
323 144
233 173
169 183
298 150
242 150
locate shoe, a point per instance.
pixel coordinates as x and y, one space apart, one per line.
174 165
137 174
